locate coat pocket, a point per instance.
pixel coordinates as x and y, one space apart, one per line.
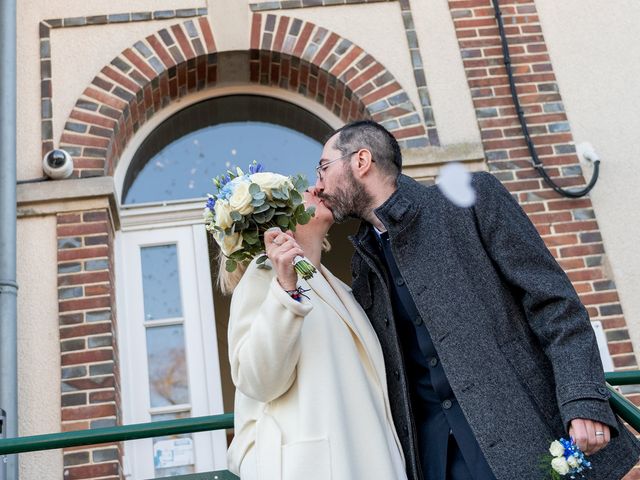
536 376
306 460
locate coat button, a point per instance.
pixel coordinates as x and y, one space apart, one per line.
446 404
433 361
386 322
399 281
603 390
417 320
397 374
405 429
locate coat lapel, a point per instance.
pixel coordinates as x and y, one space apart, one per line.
338 295
319 283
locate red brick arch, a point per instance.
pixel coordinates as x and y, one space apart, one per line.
177 61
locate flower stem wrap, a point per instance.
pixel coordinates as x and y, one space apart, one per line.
304 268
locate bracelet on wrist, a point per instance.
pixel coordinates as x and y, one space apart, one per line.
297 294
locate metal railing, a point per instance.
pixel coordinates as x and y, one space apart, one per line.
620 405
121 433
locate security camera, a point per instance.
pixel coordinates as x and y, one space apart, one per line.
57 164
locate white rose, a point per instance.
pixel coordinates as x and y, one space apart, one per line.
240 200
560 465
229 243
572 461
223 214
556 449
268 181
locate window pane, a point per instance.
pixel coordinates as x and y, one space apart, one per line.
184 168
167 362
161 282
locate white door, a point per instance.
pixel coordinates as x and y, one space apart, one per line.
168 347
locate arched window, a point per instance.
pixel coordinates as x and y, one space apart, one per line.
179 159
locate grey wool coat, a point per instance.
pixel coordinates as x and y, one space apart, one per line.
511 333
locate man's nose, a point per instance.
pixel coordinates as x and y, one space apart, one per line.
319 187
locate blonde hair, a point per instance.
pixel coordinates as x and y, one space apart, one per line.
228 281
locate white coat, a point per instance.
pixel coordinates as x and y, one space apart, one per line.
311 397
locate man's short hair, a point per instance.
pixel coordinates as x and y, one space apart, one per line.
374 137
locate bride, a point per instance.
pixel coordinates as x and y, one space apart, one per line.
311 397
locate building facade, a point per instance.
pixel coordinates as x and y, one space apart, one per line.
119 321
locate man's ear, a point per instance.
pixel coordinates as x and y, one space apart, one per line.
364 162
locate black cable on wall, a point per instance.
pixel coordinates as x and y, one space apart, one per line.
537 163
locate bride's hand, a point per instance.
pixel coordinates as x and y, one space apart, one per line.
281 248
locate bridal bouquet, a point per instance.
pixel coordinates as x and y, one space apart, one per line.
567 459
248 204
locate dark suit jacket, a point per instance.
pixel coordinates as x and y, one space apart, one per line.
511 333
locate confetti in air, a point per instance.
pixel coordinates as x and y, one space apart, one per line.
454 182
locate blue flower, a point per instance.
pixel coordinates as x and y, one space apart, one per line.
255 168
211 203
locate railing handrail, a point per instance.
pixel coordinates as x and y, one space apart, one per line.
630 377
119 433
623 407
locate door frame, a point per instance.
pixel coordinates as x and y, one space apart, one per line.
147 225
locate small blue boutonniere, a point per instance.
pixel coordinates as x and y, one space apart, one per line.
567 459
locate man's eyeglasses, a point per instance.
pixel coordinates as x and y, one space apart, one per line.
323 166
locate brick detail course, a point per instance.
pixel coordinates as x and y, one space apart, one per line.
568 226
181 59
291 4
163 67
302 57
88 399
45 28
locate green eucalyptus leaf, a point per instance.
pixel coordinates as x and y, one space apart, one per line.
282 221
270 213
303 218
262 208
296 198
251 237
254 189
231 265
300 183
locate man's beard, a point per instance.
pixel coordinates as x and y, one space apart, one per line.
352 201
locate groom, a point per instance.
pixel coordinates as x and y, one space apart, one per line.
489 353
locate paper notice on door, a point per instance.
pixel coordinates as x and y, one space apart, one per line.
174 452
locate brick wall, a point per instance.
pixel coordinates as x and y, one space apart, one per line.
89 351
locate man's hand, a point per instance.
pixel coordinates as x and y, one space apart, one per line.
589 435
